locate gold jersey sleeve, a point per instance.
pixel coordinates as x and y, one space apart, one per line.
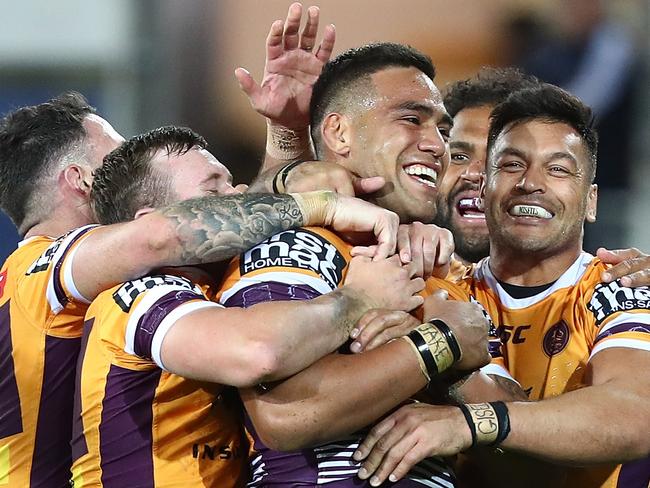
41 317
136 424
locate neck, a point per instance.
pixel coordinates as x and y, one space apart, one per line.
531 269
58 223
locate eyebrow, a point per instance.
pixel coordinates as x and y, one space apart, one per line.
511 151
462 145
426 109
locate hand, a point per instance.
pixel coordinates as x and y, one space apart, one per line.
427 247
469 325
349 214
409 435
385 283
319 175
379 326
291 69
630 265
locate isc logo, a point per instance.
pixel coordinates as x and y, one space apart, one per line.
296 249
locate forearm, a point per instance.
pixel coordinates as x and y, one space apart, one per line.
336 396
299 333
480 387
601 423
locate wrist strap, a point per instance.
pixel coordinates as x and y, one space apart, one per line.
432 345
281 177
450 337
489 423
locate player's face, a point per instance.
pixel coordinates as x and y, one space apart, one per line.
458 201
197 173
101 138
400 134
538 193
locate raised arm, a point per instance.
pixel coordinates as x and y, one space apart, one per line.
293 64
212 229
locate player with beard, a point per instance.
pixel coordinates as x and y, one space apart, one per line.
575 344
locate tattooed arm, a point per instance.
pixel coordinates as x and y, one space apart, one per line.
212 229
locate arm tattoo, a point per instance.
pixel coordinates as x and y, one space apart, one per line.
213 229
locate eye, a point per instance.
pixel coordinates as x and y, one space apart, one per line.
412 119
459 158
444 132
559 170
511 165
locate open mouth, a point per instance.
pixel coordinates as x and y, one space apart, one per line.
469 208
532 211
422 174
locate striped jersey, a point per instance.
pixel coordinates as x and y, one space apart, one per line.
41 318
297 265
549 338
135 423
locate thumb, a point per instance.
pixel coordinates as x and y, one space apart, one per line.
367 185
246 82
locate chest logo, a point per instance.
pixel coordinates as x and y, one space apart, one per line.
556 339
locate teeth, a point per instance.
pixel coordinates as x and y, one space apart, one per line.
530 211
420 170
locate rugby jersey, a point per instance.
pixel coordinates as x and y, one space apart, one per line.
297 265
41 317
136 424
549 338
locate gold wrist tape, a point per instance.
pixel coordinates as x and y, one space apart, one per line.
286 144
440 350
486 422
315 206
423 366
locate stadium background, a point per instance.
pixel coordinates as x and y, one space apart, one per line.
147 63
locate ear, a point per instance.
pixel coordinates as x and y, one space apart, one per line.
77 179
336 133
592 204
143 211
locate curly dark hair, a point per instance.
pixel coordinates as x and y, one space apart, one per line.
490 86
126 181
33 140
343 74
547 103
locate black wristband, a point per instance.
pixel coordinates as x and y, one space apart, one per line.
449 335
504 421
470 422
283 174
425 353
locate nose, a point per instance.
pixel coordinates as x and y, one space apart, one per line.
474 170
433 142
531 181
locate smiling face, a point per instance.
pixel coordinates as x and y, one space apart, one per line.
538 190
458 203
399 131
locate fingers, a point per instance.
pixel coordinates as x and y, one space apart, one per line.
363 186
399 455
376 433
385 231
308 36
377 327
291 26
367 251
446 248
615 256
404 244
274 47
324 51
631 272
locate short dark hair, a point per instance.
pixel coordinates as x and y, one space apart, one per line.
32 141
355 65
126 182
490 86
547 103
